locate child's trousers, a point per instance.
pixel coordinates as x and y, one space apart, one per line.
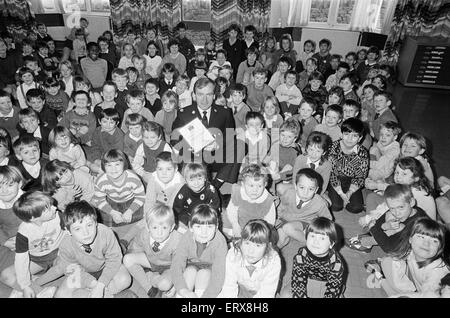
356 203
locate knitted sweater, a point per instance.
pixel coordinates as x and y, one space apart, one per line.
256 96
310 210
179 61
74 155
130 145
142 243
58 102
334 132
244 74
105 256
81 126
104 141
354 165
145 112
95 71
129 187
186 200
214 254
161 192
382 160
329 268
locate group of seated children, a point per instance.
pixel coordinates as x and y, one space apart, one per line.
92 190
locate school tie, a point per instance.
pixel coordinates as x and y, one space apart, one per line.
250 269
313 166
155 247
205 119
235 111
299 205
376 116
87 248
303 122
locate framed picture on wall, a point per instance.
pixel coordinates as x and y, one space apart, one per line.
73 5
100 6
196 10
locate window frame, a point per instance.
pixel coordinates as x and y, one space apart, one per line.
332 19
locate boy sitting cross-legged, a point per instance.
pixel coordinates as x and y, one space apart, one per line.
37 241
152 252
90 257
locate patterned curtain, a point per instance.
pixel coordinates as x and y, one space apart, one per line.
16 17
243 12
140 14
429 18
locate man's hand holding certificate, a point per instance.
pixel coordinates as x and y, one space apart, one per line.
197 136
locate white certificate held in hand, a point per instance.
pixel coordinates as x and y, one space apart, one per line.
196 134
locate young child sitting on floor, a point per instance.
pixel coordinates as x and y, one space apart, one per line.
198 266
152 252
383 155
66 184
11 182
252 264
89 257
299 206
315 157
37 241
133 139
333 117
119 194
144 162
249 200
64 147
318 269
197 190
387 230
29 162
165 181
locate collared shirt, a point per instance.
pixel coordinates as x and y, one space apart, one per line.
177 179
208 112
161 245
37 133
309 162
297 201
135 138
33 170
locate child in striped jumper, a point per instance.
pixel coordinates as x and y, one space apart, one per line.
119 194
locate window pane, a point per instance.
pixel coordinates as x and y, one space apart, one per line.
345 11
319 10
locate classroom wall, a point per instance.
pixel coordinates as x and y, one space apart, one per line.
97 25
343 41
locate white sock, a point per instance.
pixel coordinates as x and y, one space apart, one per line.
199 292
